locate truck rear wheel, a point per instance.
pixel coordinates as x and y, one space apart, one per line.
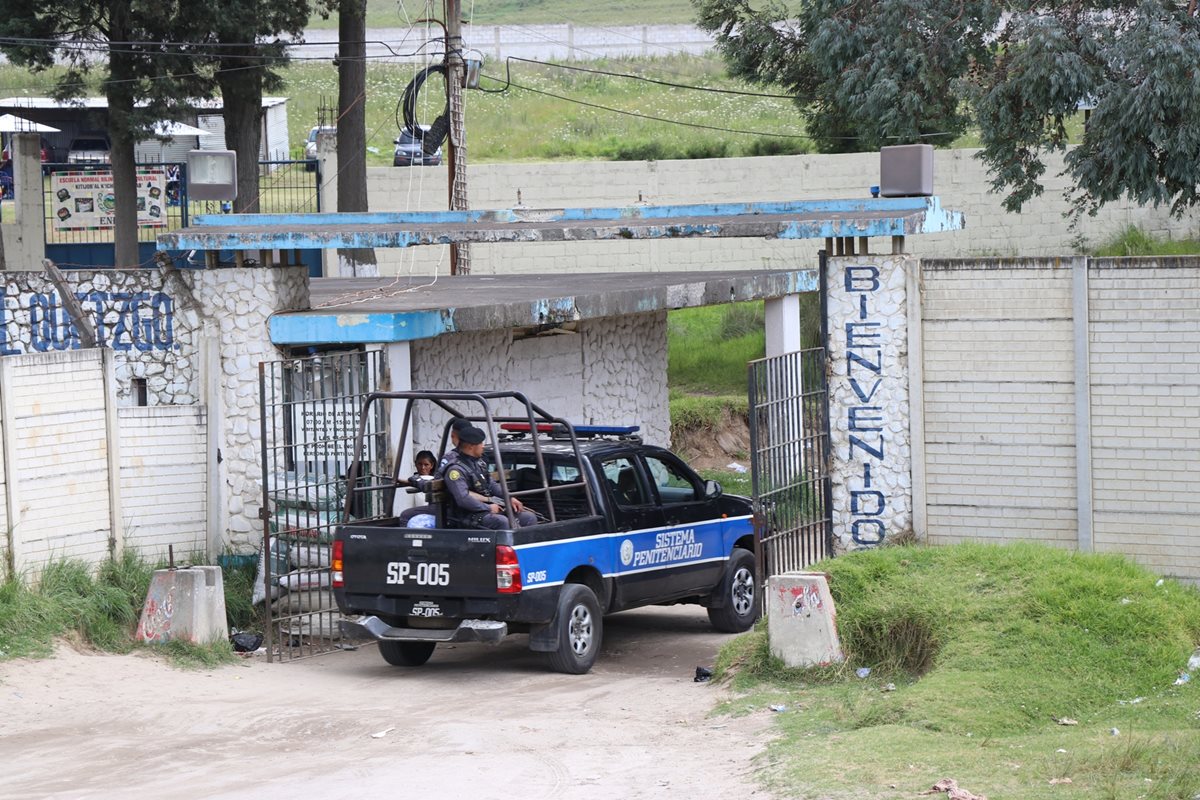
406 654
740 609
580 629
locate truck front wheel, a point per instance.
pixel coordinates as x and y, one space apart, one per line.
406 654
740 609
580 628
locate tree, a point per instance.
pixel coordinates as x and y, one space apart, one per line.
231 36
903 71
143 79
352 128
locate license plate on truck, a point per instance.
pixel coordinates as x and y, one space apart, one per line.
422 573
419 563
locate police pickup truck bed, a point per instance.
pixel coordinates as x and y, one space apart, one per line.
626 525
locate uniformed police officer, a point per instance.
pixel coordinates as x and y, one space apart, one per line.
456 427
475 493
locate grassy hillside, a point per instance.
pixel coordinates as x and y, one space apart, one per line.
1022 672
526 124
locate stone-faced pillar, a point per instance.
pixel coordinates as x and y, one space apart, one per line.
236 304
869 398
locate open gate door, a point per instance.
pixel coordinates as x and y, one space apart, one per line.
311 410
790 460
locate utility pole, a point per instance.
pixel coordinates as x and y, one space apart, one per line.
456 142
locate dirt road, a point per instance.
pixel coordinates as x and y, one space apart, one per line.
475 722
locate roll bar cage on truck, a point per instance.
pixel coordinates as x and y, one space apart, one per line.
622 524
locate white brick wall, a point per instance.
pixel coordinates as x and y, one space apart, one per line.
61 474
1000 394
597 375
999 402
960 179
163 480
1145 368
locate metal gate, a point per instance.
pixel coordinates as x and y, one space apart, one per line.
790 459
311 410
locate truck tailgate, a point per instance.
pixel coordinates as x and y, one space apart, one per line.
402 562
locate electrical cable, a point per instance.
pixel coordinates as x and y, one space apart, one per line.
433 137
508 71
508 82
654 118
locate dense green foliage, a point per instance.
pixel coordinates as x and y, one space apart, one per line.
988 649
894 72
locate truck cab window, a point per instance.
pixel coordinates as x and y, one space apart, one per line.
673 483
620 474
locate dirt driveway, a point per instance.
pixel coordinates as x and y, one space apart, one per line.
475 722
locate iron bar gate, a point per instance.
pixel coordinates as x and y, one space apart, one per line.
790 459
311 409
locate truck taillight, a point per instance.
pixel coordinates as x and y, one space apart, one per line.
335 565
508 570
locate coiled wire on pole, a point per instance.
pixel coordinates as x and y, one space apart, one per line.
432 138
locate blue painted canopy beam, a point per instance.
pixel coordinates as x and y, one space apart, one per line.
819 219
367 310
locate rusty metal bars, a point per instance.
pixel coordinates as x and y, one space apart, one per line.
790 458
310 412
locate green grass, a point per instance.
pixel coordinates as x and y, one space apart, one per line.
708 347
731 482
986 647
100 608
522 125
394 14
1133 241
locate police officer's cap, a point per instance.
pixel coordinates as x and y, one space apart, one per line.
459 425
471 435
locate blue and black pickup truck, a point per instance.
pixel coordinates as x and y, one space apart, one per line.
622 524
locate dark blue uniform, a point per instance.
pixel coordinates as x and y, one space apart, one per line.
463 476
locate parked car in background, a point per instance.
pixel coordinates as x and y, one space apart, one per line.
410 152
310 144
89 150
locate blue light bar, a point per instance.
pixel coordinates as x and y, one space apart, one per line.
607 430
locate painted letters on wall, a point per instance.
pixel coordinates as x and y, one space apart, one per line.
869 400
125 321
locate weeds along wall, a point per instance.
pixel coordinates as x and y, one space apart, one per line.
960 180
81 478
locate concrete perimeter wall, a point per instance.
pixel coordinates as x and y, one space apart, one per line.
1062 404
960 179
83 479
163 480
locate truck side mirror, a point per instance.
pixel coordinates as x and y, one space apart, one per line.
712 490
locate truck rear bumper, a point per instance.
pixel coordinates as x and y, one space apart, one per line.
468 630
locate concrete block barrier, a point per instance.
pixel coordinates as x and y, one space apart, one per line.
184 604
801 621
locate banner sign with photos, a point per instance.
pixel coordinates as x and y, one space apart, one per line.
84 199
